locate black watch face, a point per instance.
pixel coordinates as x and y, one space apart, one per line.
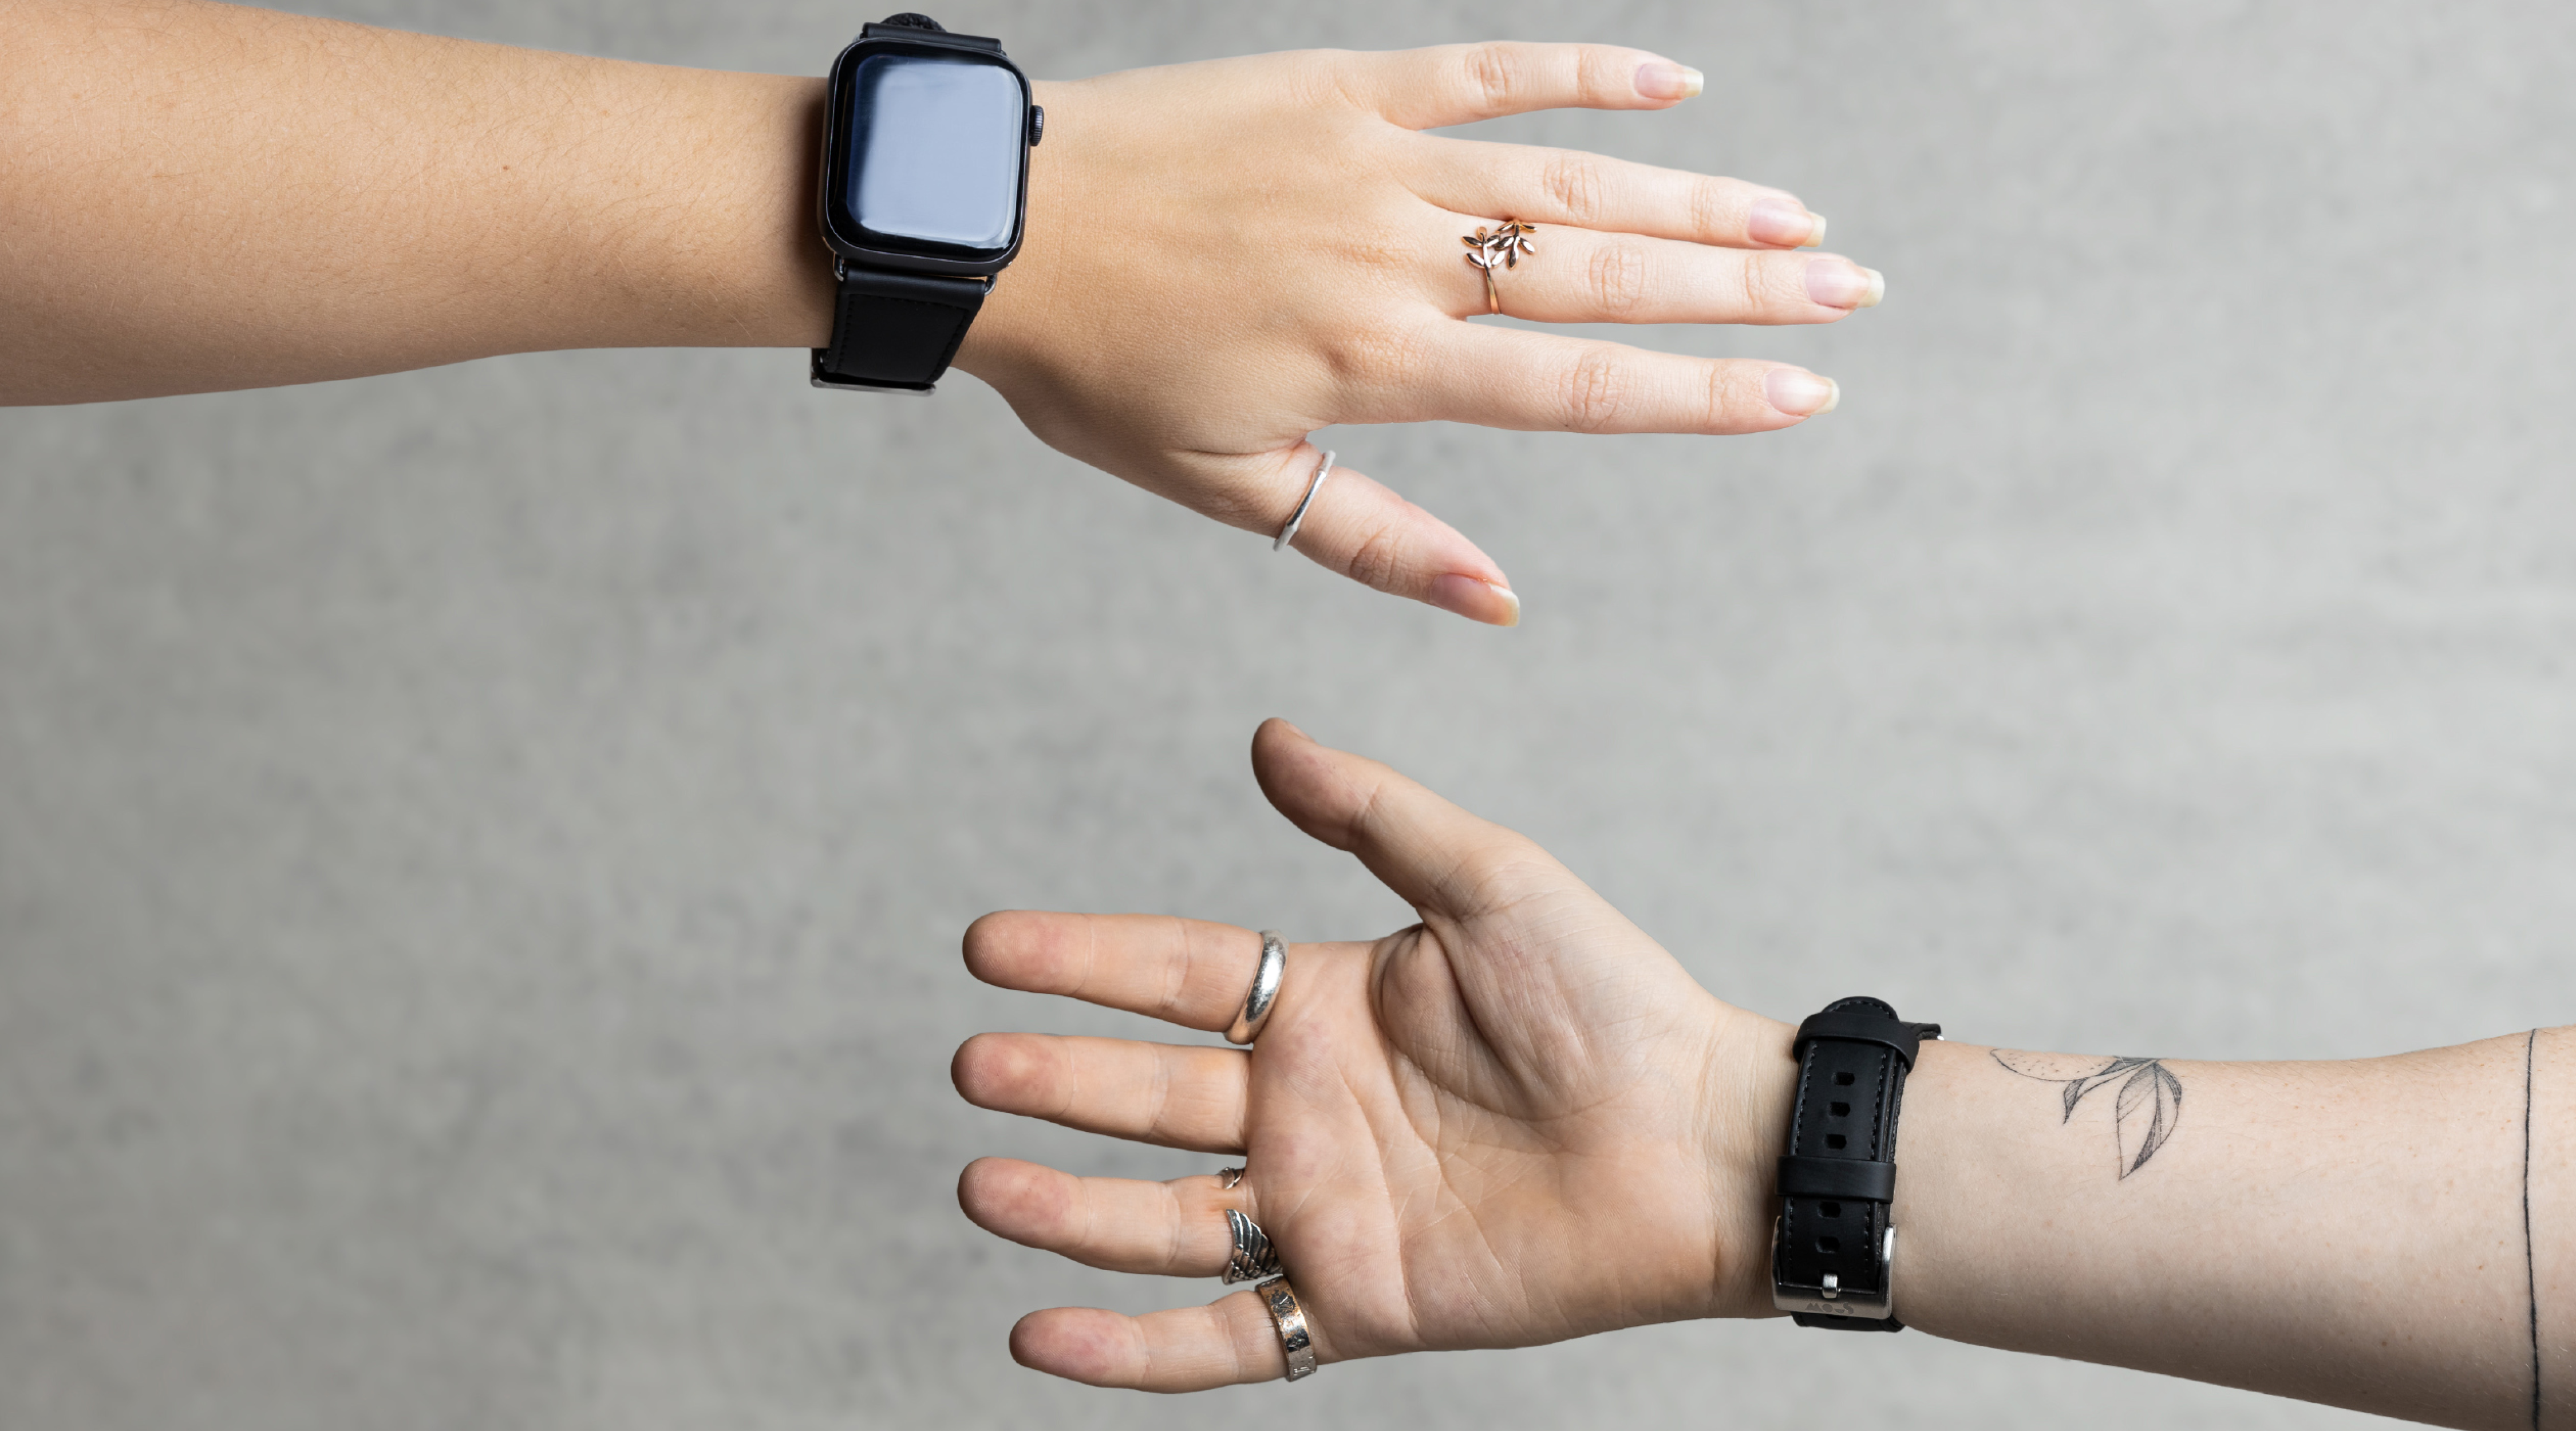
929 155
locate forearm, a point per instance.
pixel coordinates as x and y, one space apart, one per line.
2351 1233
197 196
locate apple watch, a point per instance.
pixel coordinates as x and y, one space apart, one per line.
925 182
1833 1250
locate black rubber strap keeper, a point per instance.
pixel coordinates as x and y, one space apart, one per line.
1831 1255
896 330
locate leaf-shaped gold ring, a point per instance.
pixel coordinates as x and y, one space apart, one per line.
1505 245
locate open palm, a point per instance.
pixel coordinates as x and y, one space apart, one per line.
1515 1122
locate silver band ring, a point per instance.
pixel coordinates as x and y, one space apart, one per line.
1297 519
1253 1257
1264 991
1290 1319
1229 1177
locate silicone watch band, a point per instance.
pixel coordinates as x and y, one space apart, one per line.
1834 1246
896 331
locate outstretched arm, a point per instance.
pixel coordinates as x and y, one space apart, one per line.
197 197
1220 258
1520 1121
2387 1234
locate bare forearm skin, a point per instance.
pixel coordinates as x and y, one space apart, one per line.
2349 1233
197 196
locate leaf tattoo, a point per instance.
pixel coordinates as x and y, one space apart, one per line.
2143 1113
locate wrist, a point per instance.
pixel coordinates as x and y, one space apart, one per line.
1010 334
1751 1079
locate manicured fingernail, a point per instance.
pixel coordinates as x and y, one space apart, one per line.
1800 393
1841 283
1475 600
1784 222
1662 79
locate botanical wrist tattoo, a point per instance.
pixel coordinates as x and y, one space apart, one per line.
2143 1114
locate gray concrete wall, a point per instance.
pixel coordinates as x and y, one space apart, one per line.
482 851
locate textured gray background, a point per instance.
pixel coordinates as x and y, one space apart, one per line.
482 851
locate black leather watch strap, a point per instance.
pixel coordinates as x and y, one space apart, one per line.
1837 1182
896 331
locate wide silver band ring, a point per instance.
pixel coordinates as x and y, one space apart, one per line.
1297 518
1290 1319
1264 991
1253 1258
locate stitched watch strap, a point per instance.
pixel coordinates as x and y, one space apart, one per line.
896 330
1837 1182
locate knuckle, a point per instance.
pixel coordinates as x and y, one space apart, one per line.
1595 391
1575 183
1618 278
1493 875
1176 1236
1712 212
1600 77
1381 357
1179 971
1734 398
1159 1096
1382 257
1377 560
1491 75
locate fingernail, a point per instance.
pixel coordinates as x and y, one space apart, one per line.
1662 79
1476 600
1841 283
1800 393
1785 222
1297 730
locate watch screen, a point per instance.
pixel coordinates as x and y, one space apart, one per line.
936 146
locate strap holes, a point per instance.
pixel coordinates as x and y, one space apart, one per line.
1842 1110
1830 1209
1842 1080
1829 1245
1836 1140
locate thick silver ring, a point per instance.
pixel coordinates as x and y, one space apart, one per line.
1323 470
1229 1177
1253 1257
1264 991
1290 1319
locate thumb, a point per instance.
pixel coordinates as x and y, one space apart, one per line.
1437 857
1359 528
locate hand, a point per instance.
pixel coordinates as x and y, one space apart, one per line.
1515 1122
1223 257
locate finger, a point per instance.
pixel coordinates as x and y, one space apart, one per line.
1434 855
1568 186
1174 1229
1225 1343
1179 1097
1579 276
1357 527
1496 376
1186 971
1459 84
